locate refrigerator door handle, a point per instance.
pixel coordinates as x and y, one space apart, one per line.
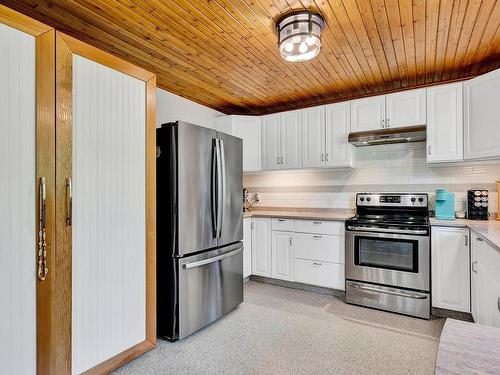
215 163
223 184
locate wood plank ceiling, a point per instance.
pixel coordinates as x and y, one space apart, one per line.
223 53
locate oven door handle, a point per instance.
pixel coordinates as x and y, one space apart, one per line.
413 295
385 230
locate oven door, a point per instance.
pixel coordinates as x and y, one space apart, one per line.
400 260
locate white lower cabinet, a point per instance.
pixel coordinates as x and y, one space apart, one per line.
281 255
450 268
304 251
261 247
247 247
485 282
330 275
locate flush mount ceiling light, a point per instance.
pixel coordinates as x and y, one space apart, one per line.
299 36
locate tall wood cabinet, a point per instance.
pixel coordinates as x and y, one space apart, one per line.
77 176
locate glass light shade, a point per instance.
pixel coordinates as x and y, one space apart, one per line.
299 36
306 48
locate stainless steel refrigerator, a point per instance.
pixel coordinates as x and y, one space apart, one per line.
199 215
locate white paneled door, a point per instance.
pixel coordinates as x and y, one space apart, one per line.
109 208
17 202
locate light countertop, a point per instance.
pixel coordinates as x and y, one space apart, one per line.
468 348
301 213
488 229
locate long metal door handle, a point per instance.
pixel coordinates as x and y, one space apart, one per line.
385 230
203 262
43 269
223 196
69 202
214 188
380 290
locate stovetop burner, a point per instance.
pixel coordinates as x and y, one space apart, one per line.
403 210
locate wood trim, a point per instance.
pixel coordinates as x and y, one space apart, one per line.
120 359
21 22
62 296
85 50
45 167
66 46
151 210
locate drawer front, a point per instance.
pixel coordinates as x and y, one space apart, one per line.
321 247
330 275
282 224
319 226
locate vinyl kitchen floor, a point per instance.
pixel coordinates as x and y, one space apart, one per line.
285 331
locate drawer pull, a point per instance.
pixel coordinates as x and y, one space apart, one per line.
317 264
498 303
473 268
479 239
281 220
317 237
317 222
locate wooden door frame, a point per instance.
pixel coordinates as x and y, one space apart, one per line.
45 167
66 47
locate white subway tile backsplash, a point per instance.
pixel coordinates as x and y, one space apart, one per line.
392 168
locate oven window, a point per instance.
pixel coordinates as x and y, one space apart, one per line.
388 253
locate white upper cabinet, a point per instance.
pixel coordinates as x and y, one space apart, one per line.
338 151
248 128
450 268
282 140
271 141
482 116
405 108
444 123
368 114
325 132
223 124
291 139
313 137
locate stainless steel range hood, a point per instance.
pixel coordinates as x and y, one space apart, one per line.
385 136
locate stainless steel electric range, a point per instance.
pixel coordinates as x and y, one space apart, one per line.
388 253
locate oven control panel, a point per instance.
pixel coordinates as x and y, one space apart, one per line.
394 200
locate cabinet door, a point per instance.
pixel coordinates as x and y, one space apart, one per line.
444 123
406 108
368 113
485 283
247 247
271 143
18 192
281 255
450 268
261 247
291 140
313 137
248 128
482 116
474 282
224 124
339 153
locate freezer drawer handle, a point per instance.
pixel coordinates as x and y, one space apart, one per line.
380 290
212 260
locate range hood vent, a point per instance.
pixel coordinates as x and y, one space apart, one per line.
386 136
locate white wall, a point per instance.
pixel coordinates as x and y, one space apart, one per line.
383 168
171 107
